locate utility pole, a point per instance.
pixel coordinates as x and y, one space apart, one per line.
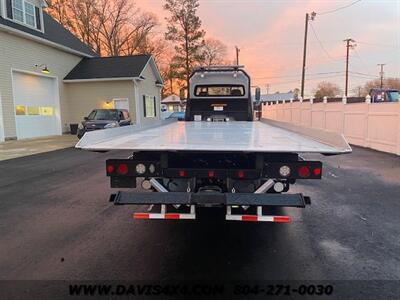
349 44
303 74
381 73
237 55
267 88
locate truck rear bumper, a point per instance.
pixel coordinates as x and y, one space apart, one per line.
210 199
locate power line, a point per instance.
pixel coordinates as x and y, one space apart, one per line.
378 45
297 75
364 74
318 74
309 79
274 44
361 60
320 43
339 8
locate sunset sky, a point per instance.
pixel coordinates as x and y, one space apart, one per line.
270 35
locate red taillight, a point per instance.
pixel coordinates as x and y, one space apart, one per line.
122 169
181 173
317 171
110 168
304 171
240 174
211 174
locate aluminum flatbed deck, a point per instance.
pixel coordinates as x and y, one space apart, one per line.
258 136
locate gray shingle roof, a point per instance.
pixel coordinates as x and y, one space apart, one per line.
109 67
53 32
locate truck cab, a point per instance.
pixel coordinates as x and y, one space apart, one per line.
384 95
219 93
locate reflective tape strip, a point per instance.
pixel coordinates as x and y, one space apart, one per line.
282 219
170 216
255 218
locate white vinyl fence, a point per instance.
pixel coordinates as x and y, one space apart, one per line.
371 125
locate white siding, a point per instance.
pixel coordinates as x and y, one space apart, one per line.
22 54
149 88
83 97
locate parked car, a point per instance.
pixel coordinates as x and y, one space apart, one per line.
103 119
179 115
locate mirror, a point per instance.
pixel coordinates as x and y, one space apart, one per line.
86 118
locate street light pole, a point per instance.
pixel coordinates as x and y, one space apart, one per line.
237 55
381 73
348 46
303 74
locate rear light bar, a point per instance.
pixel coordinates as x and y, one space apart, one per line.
128 167
278 170
211 173
293 170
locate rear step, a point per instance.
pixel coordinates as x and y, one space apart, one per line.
163 215
206 198
259 217
259 199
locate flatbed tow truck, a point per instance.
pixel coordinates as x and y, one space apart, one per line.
218 157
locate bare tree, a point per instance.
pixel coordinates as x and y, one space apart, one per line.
59 10
214 52
391 83
327 89
85 22
143 39
110 28
81 17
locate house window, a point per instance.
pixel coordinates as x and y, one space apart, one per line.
24 12
149 106
18 10
46 111
30 14
20 110
33 110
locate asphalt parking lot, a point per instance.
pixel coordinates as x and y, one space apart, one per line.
56 223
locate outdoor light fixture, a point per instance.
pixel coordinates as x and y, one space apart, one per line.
44 70
107 104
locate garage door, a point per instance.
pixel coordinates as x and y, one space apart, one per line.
36 105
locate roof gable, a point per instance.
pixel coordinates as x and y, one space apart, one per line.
54 33
110 67
171 99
